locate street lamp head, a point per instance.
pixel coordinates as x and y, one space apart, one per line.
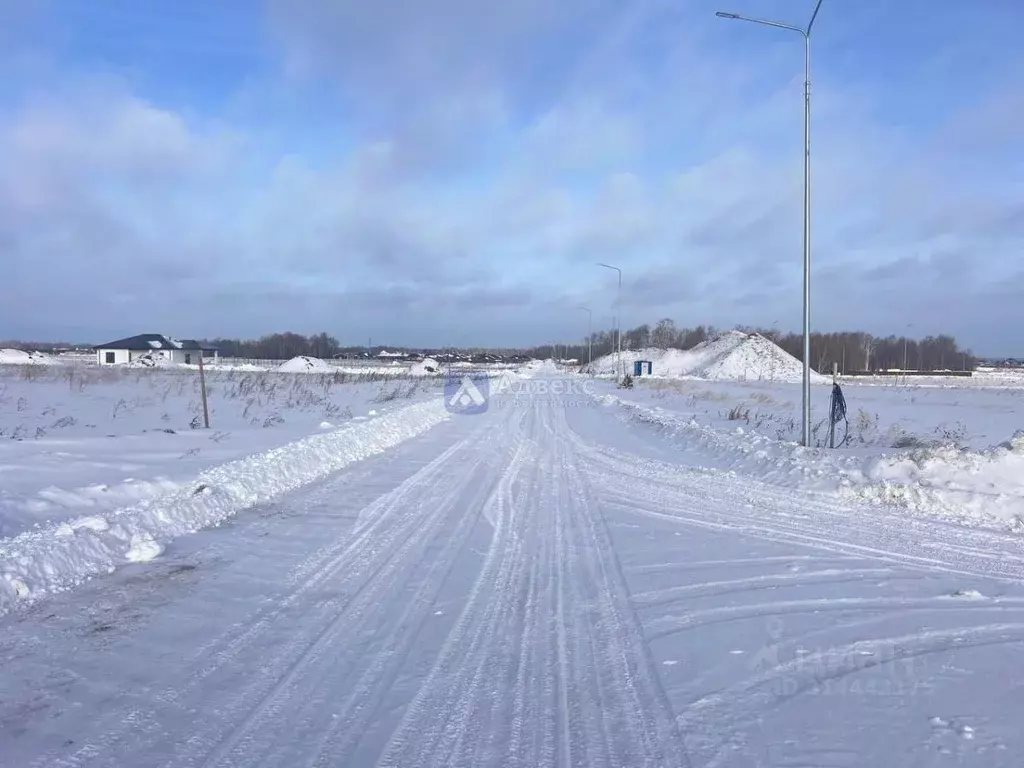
724 15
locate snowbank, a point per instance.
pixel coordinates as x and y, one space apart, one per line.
303 364
58 557
20 357
426 367
731 356
150 361
965 484
983 488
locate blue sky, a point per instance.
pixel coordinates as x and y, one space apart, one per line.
449 172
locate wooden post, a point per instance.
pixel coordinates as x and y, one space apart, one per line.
202 386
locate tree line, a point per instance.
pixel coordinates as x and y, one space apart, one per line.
851 351
279 346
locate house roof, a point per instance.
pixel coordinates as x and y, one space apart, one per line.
150 342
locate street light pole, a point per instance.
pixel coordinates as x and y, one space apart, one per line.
618 318
590 336
807 200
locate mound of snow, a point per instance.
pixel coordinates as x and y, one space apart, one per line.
955 481
20 357
733 355
426 367
150 361
303 364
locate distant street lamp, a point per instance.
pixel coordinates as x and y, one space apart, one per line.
618 318
590 336
807 200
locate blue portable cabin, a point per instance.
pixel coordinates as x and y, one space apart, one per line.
642 367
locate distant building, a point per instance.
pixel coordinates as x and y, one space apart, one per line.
153 346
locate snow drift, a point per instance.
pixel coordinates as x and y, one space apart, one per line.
303 364
58 557
965 484
20 357
428 366
981 488
733 355
150 360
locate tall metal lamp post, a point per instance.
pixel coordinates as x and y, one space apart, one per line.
806 32
618 318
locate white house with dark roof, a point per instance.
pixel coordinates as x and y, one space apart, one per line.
153 347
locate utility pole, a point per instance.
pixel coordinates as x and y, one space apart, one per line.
807 200
202 387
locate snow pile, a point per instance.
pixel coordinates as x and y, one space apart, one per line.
303 364
150 361
733 356
426 367
960 483
59 556
20 357
743 357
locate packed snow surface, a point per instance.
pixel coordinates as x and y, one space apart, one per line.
545 584
303 364
730 356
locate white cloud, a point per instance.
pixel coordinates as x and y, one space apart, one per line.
476 163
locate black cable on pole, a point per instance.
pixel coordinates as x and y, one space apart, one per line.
837 413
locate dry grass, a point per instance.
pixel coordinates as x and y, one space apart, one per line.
262 398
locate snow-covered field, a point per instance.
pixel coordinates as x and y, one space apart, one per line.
80 440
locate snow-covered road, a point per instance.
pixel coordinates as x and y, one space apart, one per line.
541 585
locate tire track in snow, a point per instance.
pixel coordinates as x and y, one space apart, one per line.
390 526
724 502
668 625
669 595
716 723
728 711
383 567
440 715
486 701
638 685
